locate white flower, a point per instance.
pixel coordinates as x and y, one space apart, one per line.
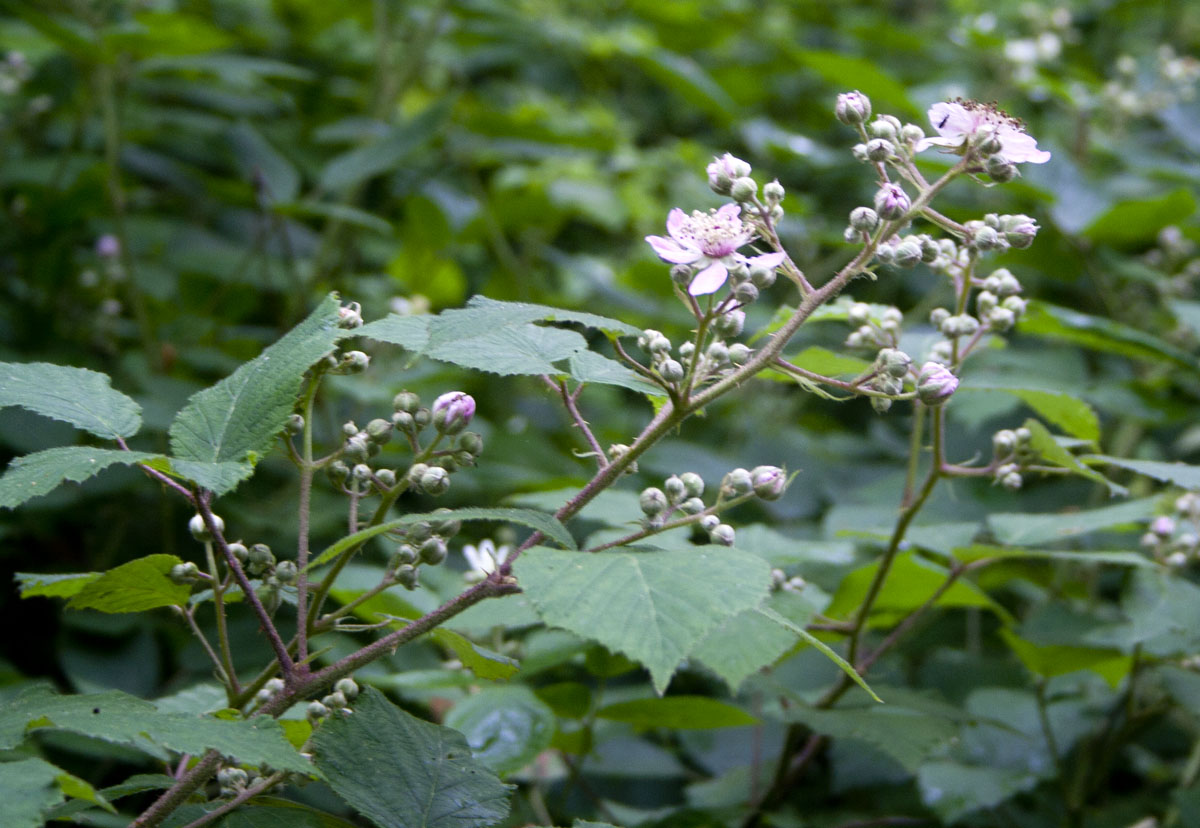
957 122
709 241
484 559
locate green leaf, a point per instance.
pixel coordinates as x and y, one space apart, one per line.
124 719
908 736
1048 660
828 363
591 367
677 712
1069 413
41 472
654 607
1181 474
38 585
1099 334
83 398
133 587
548 525
401 772
217 477
977 552
238 418
384 154
1020 529
506 727
825 650
485 664
953 790
262 812
28 788
1131 222
336 212
1043 443
256 157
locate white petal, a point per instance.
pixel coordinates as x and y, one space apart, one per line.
709 280
767 260
672 251
675 219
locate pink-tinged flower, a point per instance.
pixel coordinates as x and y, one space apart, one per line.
709 242
957 122
452 411
724 170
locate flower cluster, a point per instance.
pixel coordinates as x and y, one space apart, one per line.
707 243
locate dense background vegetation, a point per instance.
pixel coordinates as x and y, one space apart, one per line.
249 157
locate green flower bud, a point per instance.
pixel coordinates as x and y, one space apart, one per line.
415 471
864 219
338 471
880 149
334 701
984 302
286 572
295 424
729 324
769 482
260 559
930 249
988 142
737 482
315 712
1011 481
739 353
239 551
1001 319
881 404
722 534
422 417
406 401
1019 230
418 532
653 502
961 325
717 353
671 370
379 430
405 554
911 134
745 293
232 780
985 238
1004 442
435 481
674 488
709 523
1024 436
852 108
938 316
692 506
354 362
432 551
184 573
618 450
349 428
404 422
693 484
406 576
199 528
361 472
357 448
762 277
1015 304
743 189
773 192
907 253
1000 169
386 478
893 362
274 686
347 687
858 313
470 441
885 126
682 274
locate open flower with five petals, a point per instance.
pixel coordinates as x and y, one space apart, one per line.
484 559
959 122
709 242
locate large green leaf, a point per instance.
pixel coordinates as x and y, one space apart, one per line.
506 727
484 663
237 419
136 586
1021 529
39 585
124 719
402 772
591 367
908 736
264 812
911 582
41 472
1130 222
678 712
654 607
83 398
547 524
1180 474
1069 325
29 788
1069 413
1044 444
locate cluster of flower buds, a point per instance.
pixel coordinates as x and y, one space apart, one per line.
1174 540
662 362
350 362
350 315
338 701
781 582
680 493
873 330
233 780
423 543
1132 93
909 251
1012 450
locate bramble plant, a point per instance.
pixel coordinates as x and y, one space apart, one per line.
682 587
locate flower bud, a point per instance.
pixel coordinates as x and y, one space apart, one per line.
334 701
988 142
1176 559
717 353
935 383
108 246
406 401
723 170
1163 526
295 424
315 712
737 482
405 553
1019 230
984 302
729 324
692 506
361 472
1011 481
859 151
773 192
618 450
864 219
1024 436
433 551
885 126
745 293
385 477
260 559
350 315
985 238
184 573
286 572
911 134
1001 319
675 489
1000 169
739 353
199 528
858 313
938 317
338 471
348 687
1188 505
379 430
743 189
1004 442
670 370
435 481
471 442
418 532
452 411
654 342
880 149
709 522
930 249
274 686
354 362
852 108
722 534
769 482
357 448
762 277
894 362
232 780
239 551
961 325
653 502
891 202
407 575
907 253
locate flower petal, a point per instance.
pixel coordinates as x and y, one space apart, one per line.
952 119
1019 147
767 260
672 251
729 211
675 220
709 280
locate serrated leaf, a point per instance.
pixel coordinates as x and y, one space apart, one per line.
1181 474
83 398
548 525
124 719
678 712
216 477
825 650
262 812
654 607
41 472
828 363
591 367
401 772
506 727
238 419
1019 529
1043 443
484 663
134 587
1069 413
908 736
38 585
28 788
1069 325
487 311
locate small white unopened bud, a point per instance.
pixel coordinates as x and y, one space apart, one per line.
911 134
199 528
709 522
893 362
653 502
435 481
858 314
347 687
743 189
1176 559
773 192
350 315
692 506
1012 481
961 325
937 316
769 482
739 353
737 482
1004 442
675 489
985 301
1001 319
286 572
864 219
671 370
354 362
315 712
722 534
1000 169
692 483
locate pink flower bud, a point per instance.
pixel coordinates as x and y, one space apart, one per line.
452 411
935 383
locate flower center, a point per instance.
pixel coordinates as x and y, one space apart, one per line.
714 233
991 115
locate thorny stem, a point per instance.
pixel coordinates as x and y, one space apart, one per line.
302 521
250 791
716 508
569 402
855 387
